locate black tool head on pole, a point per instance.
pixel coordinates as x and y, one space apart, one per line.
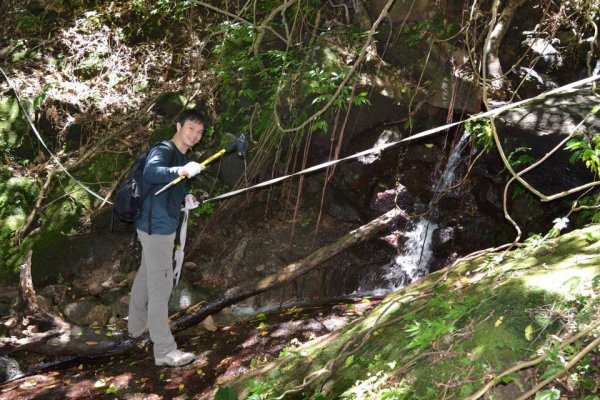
241 146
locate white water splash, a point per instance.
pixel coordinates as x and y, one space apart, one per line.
413 262
449 175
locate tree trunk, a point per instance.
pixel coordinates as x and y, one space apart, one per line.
70 340
27 300
497 83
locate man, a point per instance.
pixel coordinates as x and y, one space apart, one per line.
156 227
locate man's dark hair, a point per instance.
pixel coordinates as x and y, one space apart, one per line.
191 114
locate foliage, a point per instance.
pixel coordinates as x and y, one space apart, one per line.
481 131
173 10
587 150
260 390
253 85
414 34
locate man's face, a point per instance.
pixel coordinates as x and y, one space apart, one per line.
190 132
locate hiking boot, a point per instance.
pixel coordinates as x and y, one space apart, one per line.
175 358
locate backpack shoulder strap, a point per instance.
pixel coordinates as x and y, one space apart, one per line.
173 151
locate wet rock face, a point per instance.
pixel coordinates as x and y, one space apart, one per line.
9 369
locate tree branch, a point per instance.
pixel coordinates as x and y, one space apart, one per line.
245 21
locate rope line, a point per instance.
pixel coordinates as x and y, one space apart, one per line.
373 150
378 149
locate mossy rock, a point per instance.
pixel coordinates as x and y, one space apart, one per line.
443 337
14 129
170 104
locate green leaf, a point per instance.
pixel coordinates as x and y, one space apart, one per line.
260 326
349 361
261 317
225 393
510 377
112 389
529 332
551 371
551 394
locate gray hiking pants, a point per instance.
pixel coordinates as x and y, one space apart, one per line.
148 306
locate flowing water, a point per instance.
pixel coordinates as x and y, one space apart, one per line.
413 261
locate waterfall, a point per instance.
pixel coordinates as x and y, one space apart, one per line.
413 261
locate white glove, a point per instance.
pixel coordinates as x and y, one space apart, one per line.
190 169
191 202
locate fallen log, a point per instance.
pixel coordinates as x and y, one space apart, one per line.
290 272
74 341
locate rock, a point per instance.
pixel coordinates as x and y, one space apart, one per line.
186 294
531 82
9 369
384 200
8 294
401 11
190 265
549 55
209 324
108 284
170 104
44 302
119 277
58 293
446 91
539 126
341 208
114 294
94 288
232 168
442 239
120 307
99 314
5 310
542 251
78 311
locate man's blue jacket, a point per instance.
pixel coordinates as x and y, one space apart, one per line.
161 168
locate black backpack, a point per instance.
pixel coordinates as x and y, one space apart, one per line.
128 200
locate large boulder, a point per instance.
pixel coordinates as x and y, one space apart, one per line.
539 126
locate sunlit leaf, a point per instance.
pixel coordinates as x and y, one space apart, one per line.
261 317
100 383
112 389
262 325
349 361
551 394
529 332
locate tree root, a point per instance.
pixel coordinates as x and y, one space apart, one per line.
527 364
